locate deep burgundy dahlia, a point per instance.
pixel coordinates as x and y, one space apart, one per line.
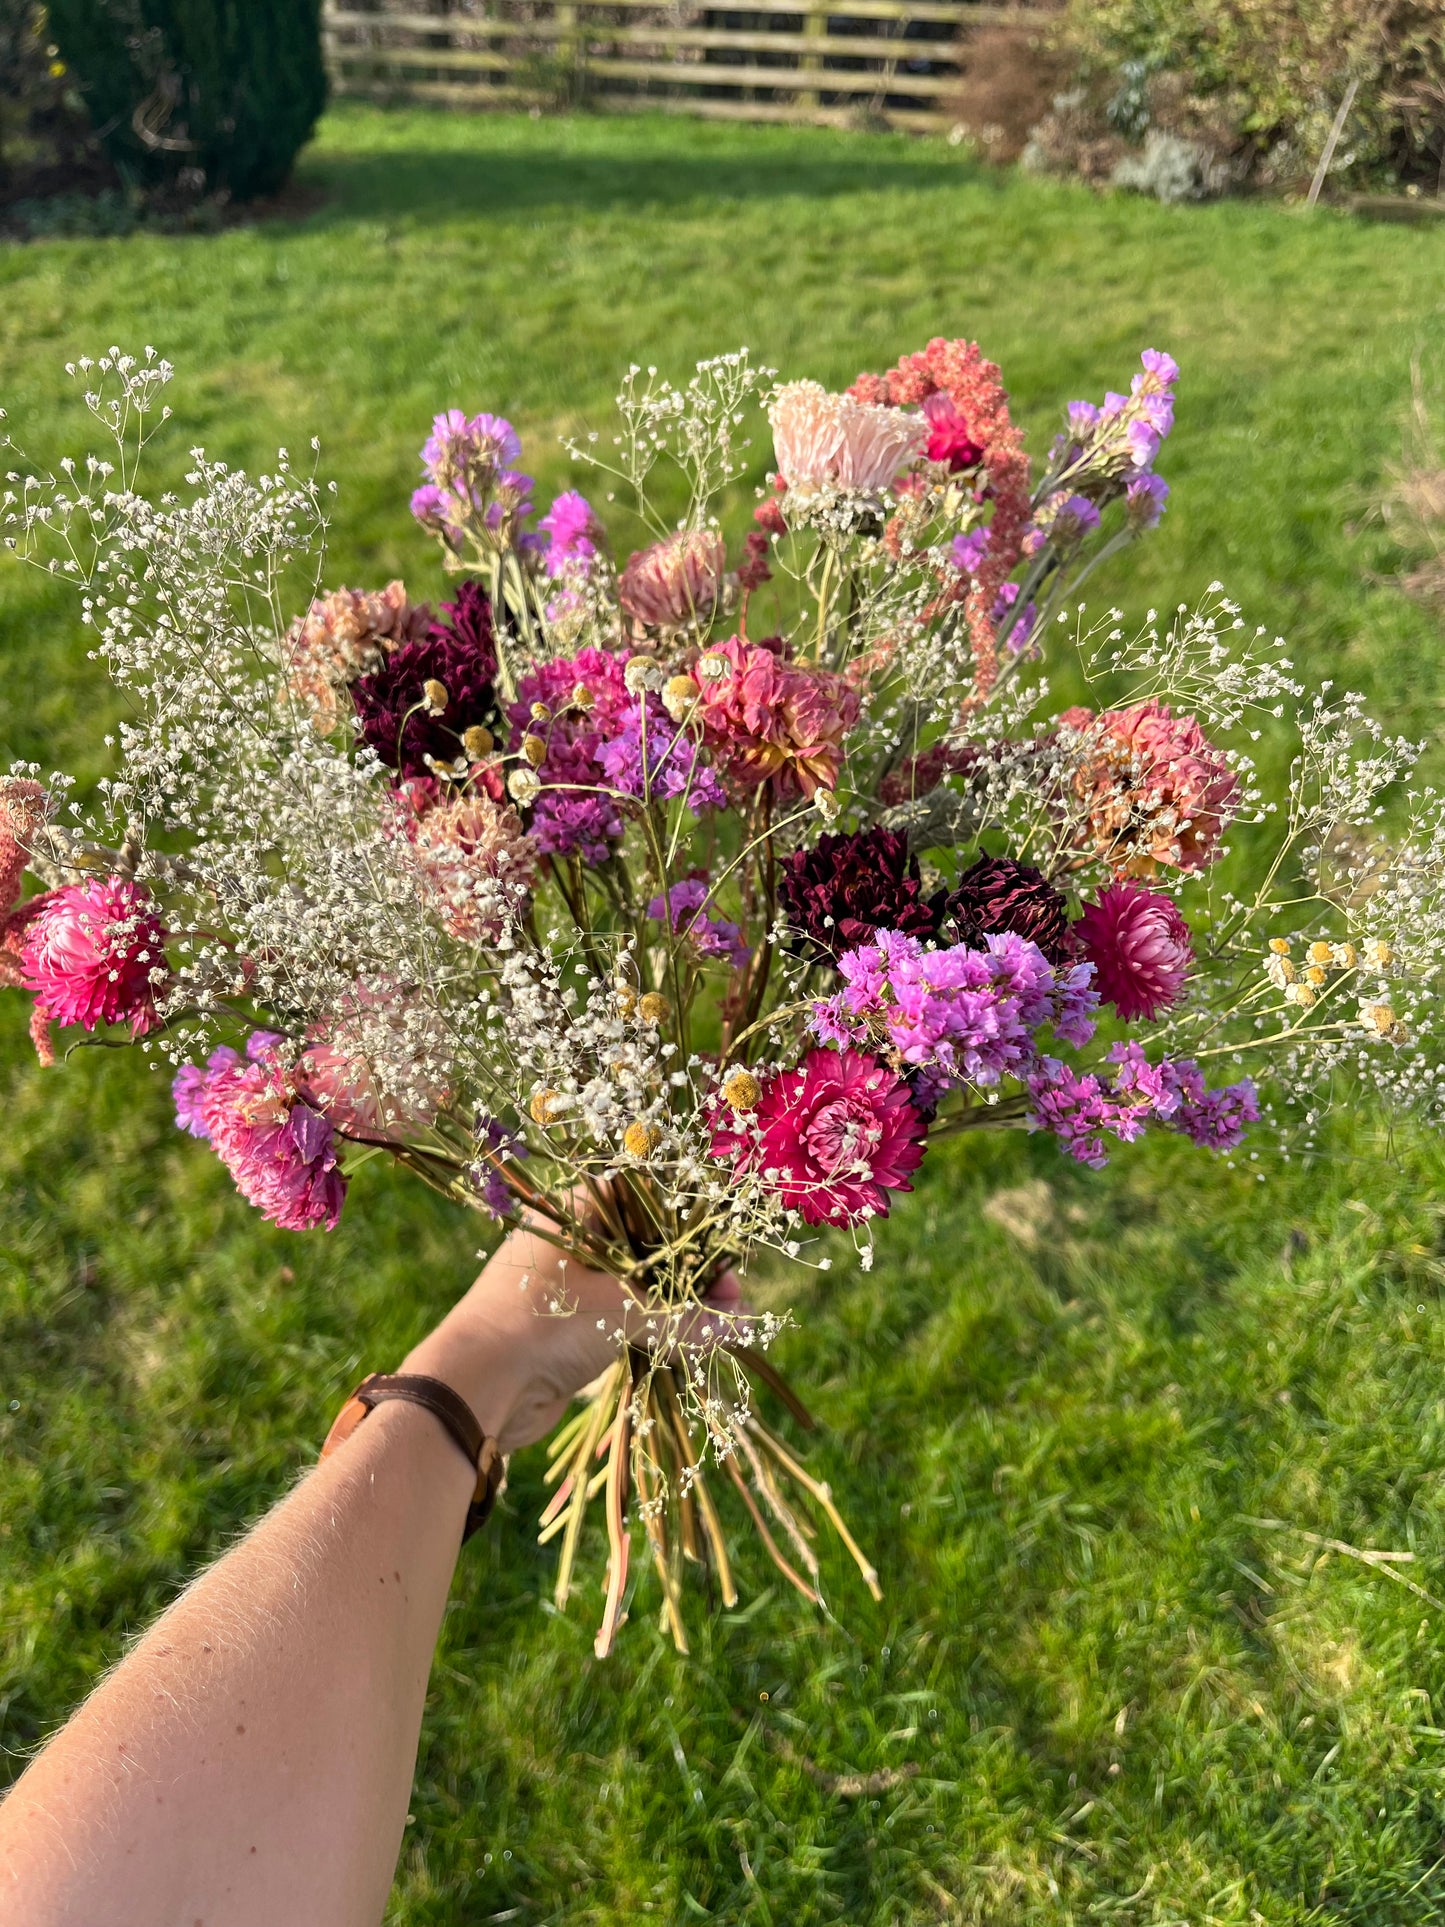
846 888
469 621
998 894
462 659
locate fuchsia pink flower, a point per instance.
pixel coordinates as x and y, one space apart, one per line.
768 720
833 1137
280 1151
949 441
573 533
1139 946
94 955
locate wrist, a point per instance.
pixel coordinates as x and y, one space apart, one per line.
475 1366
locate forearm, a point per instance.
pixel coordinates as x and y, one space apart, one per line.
251 1759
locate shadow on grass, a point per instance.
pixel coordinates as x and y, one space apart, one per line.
443 182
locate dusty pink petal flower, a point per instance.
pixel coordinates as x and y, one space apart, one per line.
834 1136
343 636
90 955
770 720
477 864
675 582
1155 790
280 1151
821 439
1139 946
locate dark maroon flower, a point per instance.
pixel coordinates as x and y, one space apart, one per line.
394 706
470 622
846 888
997 894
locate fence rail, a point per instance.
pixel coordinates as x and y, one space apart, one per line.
890 61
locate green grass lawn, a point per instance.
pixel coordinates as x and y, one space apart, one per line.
1115 1441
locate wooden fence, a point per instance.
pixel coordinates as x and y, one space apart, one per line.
889 62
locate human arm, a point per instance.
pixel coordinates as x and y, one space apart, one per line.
250 1760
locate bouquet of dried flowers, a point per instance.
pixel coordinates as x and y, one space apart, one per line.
682 901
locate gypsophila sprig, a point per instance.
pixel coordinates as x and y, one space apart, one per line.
685 899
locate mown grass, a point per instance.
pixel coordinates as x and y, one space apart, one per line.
1111 1438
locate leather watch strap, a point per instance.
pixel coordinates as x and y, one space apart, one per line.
483 1454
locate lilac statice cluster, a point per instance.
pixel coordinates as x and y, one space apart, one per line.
965 1014
1079 1107
1111 448
593 735
470 483
687 917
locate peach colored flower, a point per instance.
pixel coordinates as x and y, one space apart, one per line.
476 861
767 720
345 635
821 439
676 582
1155 791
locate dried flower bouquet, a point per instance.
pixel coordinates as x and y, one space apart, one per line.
684 903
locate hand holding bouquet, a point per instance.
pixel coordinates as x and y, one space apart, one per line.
684 901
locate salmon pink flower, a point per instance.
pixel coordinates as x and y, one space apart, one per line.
676 582
768 720
1155 791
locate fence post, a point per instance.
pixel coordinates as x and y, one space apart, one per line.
815 26
569 48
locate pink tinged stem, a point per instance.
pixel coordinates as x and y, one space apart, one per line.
616 1501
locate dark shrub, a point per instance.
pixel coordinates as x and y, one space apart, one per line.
204 96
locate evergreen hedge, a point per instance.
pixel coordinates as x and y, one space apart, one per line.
206 96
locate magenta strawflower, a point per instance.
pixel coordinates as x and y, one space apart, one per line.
95 955
1139 946
833 1137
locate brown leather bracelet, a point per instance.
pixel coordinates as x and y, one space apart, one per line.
483 1454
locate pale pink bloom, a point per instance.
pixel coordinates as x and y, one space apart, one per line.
1155 791
92 953
676 582
767 720
361 1063
476 861
821 439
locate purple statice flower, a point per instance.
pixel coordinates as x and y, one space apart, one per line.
1071 517
1083 419
1144 500
968 551
1151 1085
459 441
1021 630
1161 372
650 758
496 1146
571 528
1215 1120
1079 1107
511 499
710 936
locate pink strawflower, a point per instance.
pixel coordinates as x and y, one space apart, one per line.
833 1137
1155 791
676 582
280 1151
94 955
768 720
1139 946
822 440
